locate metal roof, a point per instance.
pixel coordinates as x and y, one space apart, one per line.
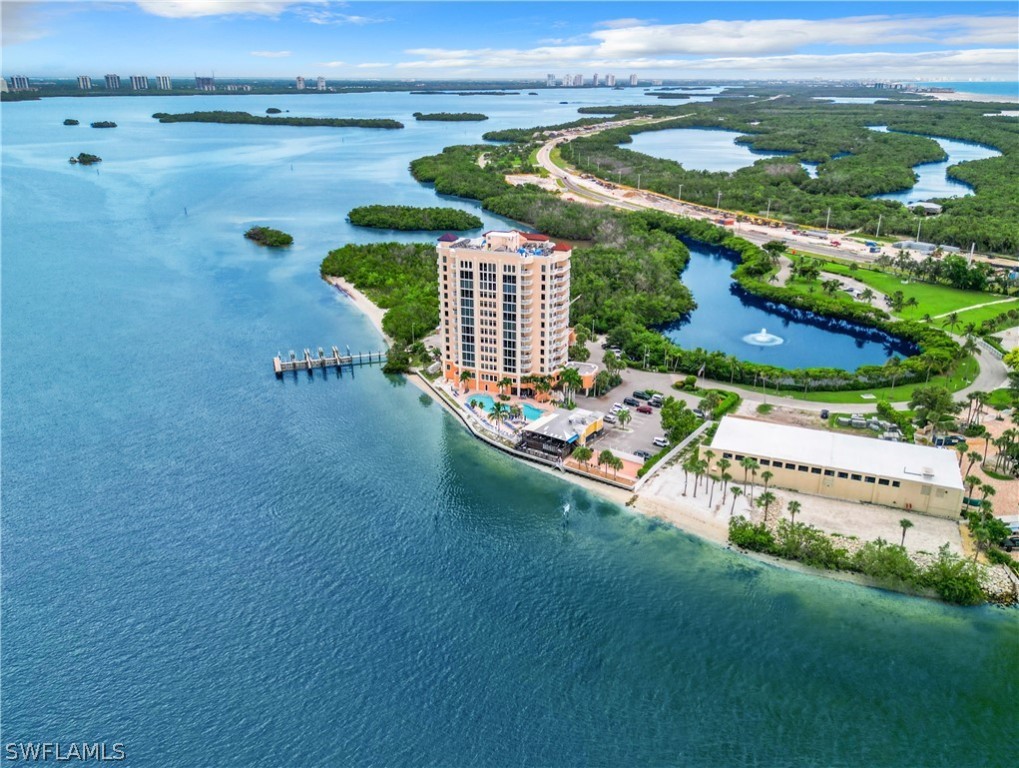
820 448
563 425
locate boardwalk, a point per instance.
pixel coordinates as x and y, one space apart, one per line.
281 365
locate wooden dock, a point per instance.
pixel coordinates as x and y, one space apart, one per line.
337 360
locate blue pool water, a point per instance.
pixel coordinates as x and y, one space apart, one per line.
530 412
219 568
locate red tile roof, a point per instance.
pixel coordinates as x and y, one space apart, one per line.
562 247
534 236
448 238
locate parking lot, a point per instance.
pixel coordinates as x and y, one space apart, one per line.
636 436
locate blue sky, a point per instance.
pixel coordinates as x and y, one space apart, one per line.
471 39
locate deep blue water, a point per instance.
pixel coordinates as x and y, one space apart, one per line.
724 317
217 568
932 179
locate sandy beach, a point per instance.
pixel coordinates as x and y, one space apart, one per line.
989 98
373 312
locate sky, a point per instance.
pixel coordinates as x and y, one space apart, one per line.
473 39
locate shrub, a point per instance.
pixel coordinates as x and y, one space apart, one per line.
273 238
745 534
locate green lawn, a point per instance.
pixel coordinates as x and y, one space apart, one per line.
977 316
931 299
961 377
1000 399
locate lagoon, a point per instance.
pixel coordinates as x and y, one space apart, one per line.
932 179
219 568
724 319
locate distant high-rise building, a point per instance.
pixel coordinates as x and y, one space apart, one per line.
550 81
299 82
113 82
566 81
633 79
163 83
578 80
205 83
610 80
84 83
594 80
656 82
139 82
19 83
320 84
3 85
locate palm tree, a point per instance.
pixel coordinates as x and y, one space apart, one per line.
973 457
736 493
951 321
505 383
623 417
515 411
894 365
766 476
465 377
905 525
961 448
498 413
765 500
699 466
868 295
583 454
830 286
571 381
971 482
747 463
606 458
617 464
726 478
794 508
723 465
986 490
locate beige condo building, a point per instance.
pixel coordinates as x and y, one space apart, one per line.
504 307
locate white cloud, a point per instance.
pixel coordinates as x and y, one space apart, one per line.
332 64
622 23
791 35
323 15
373 65
271 54
187 9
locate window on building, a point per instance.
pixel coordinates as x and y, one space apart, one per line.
896 483
856 477
803 468
765 462
870 479
790 466
726 455
815 470
882 481
829 473
843 475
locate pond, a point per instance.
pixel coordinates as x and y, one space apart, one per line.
932 178
750 328
701 149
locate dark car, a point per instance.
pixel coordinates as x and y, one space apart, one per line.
825 413
640 394
645 409
630 402
1012 542
642 455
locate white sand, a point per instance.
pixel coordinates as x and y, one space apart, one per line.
989 98
373 312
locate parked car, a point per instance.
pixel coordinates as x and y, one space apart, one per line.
661 442
825 413
640 394
617 407
1012 542
645 409
656 400
642 455
630 402
698 413
609 418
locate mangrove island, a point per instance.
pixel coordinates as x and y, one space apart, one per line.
249 119
272 238
408 218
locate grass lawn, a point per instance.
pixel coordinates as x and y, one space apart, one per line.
931 299
977 316
1000 399
961 377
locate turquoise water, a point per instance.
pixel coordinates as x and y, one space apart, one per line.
993 88
530 412
932 180
217 568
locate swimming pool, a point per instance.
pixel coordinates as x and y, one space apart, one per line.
487 402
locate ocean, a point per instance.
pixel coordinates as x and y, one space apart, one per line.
216 568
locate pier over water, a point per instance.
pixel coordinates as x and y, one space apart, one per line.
281 365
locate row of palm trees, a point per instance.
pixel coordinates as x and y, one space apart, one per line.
606 458
569 381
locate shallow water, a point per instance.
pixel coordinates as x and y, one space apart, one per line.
218 568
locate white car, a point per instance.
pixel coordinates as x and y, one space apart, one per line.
616 407
609 418
661 442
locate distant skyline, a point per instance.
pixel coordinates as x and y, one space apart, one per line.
495 40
